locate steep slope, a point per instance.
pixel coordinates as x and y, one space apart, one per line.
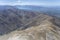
18 24
12 18
43 27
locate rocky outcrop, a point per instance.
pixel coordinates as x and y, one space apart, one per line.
44 29
18 24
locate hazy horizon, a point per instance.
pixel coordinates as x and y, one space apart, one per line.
31 2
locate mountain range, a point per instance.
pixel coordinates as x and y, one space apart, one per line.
26 24
54 10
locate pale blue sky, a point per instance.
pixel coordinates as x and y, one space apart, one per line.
31 2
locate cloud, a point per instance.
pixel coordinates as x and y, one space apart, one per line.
10 2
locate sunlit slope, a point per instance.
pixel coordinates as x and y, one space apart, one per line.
43 27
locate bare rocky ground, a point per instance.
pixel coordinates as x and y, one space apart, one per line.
43 27
44 31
